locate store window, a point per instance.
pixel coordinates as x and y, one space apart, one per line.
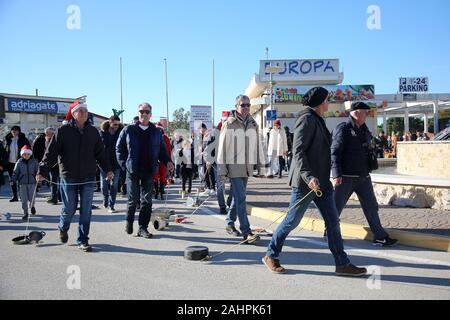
10 120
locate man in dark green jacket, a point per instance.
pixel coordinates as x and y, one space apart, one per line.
309 172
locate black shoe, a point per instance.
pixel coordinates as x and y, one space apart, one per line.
25 217
251 238
129 227
144 233
14 199
52 201
386 242
33 211
85 247
223 211
231 230
63 236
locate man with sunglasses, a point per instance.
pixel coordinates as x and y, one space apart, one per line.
139 148
239 151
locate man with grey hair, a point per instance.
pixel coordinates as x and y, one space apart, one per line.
238 152
139 148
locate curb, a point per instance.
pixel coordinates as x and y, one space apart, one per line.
407 238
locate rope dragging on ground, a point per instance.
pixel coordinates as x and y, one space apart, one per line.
318 193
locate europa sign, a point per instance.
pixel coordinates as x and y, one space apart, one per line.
300 70
418 84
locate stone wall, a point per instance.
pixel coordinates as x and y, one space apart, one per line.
424 158
411 196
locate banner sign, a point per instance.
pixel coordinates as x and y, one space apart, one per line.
36 106
338 94
271 115
300 70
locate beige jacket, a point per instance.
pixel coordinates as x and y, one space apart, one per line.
239 148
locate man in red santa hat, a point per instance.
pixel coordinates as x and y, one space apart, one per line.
78 147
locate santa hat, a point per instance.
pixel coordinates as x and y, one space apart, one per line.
159 125
74 107
26 150
225 115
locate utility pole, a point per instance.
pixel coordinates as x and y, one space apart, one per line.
121 92
213 94
167 92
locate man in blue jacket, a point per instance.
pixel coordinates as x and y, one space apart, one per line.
139 148
351 172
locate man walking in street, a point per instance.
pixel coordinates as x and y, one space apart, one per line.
351 172
139 148
110 131
77 147
239 151
310 171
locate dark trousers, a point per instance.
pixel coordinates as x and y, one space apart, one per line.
145 180
210 178
10 172
282 163
363 188
186 175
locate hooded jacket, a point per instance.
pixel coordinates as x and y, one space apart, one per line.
25 171
239 147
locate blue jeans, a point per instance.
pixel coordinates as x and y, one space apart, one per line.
140 186
109 190
238 206
220 189
363 187
69 196
327 209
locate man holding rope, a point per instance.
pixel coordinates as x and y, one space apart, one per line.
77 147
310 171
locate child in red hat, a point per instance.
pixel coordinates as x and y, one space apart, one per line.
24 175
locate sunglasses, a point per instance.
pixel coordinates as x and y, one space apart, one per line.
245 105
144 111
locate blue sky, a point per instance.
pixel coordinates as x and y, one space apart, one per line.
38 51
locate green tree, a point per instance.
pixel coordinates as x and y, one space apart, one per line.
180 120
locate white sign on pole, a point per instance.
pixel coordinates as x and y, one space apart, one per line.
411 85
199 115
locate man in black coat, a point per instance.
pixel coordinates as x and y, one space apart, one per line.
351 172
310 171
15 140
110 131
77 147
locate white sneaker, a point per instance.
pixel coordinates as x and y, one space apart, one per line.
111 210
212 193
183 195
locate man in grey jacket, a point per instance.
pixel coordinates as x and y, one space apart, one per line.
310 171
239 151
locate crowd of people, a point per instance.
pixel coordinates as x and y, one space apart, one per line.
140 159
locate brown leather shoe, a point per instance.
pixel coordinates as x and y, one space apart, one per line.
273 265
350 270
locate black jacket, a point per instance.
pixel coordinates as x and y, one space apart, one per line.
350 150
310 152
76 152
20 143
3 162
110 142
39 147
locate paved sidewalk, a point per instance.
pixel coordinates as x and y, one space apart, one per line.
275 194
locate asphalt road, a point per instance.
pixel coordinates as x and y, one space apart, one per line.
126 267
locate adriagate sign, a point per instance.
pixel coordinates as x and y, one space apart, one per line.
36 106
300 70
418 84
